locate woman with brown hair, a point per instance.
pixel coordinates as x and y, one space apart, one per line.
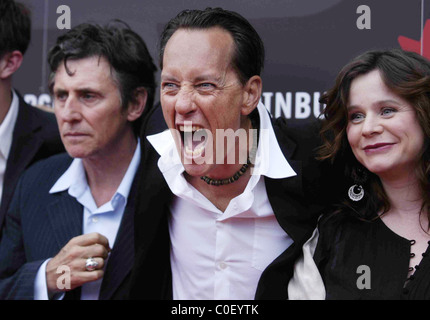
374 243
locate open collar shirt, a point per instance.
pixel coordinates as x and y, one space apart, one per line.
221 255
105 219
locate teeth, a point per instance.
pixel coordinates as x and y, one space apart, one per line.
196 152
189 128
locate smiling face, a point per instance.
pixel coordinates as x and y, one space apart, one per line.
383 130
88 109
200 90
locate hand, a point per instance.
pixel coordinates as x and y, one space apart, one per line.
74 255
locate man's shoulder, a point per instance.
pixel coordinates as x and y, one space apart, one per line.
55 162
298 130
48 170
300 138
36 181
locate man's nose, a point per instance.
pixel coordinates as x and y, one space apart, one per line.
71 110
185 103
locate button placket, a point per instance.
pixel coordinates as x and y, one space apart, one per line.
221 283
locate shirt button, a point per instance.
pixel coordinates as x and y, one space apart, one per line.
222 265
95 219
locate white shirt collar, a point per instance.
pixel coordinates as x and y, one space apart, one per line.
6 127
74 178
270 161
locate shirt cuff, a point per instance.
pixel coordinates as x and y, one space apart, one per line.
40 287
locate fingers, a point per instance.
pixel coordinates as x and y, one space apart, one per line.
88 276
74 255
95 250
88 245
90 239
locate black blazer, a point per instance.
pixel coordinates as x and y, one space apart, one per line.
35 137
39 224
296 202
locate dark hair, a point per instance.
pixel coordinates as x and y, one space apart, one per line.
405 73
15 27
125 51
248 59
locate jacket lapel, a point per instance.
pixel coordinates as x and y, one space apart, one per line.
121 258
65 215
287 196
295 217
152 242
25 143
287 200
295 214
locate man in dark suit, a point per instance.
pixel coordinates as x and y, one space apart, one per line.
70 224
220 220
27 134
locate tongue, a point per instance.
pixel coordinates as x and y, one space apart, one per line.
199 139
193 140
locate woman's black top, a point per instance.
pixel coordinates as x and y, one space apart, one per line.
366 260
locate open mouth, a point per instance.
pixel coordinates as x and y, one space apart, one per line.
194 139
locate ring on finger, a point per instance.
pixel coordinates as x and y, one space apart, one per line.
91 264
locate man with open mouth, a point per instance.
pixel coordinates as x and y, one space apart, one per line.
224 191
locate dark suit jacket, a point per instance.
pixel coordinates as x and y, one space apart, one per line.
39 224
296 201
35 137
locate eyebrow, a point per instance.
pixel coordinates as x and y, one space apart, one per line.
167 77
85 89
59 90
209 77
350 107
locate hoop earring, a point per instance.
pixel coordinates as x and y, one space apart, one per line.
356 192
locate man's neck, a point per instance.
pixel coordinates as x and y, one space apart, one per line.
220 196
5 99
104 174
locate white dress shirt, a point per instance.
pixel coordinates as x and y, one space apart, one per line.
105 219
6 133
221 255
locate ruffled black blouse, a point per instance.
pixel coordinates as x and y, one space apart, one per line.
367 260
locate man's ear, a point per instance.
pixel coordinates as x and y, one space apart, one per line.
137 106
252 94
9 63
